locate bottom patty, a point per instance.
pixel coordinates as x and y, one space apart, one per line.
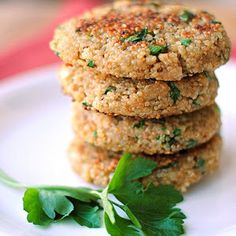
182 169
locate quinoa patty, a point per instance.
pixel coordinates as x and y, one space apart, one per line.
143 98
183 169
143 40
135 135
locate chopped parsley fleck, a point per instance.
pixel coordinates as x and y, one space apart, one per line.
215 22
177 132
186 16
77 30
171 24
137 37
163 128
201 165
218 109
91 64
139 124
169 140
191 143
211 76
56 53
207 74
95 134
155 50
186 42
196 101
174 91
110 89
86 104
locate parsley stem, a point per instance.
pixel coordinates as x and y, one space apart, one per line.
7 180
117 204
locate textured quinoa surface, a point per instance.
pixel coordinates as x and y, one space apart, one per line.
135 135
143 98
183 169
143 40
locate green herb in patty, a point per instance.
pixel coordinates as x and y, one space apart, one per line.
86 104
218 109
137 37
186 42
174 91
196 101
207 74
155 50
95 134
177 132
186 16
201 165
169 140
139 124
191 143
56 53
91 64
215 22
110 89
163 128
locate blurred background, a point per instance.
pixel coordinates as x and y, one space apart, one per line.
25 21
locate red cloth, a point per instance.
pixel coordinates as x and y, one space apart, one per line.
35 52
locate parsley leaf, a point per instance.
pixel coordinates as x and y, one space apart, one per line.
155 50
47 204
87 214
156 218
122 227
174 91
186 42
53 203
32 205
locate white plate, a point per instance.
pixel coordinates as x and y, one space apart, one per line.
34 135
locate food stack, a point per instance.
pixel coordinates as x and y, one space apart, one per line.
141 75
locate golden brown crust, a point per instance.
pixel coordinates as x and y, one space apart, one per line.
139 98
103 36
183 169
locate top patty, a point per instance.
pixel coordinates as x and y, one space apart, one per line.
144 40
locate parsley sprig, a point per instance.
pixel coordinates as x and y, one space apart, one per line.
146 210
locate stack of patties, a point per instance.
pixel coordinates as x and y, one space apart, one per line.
141 76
